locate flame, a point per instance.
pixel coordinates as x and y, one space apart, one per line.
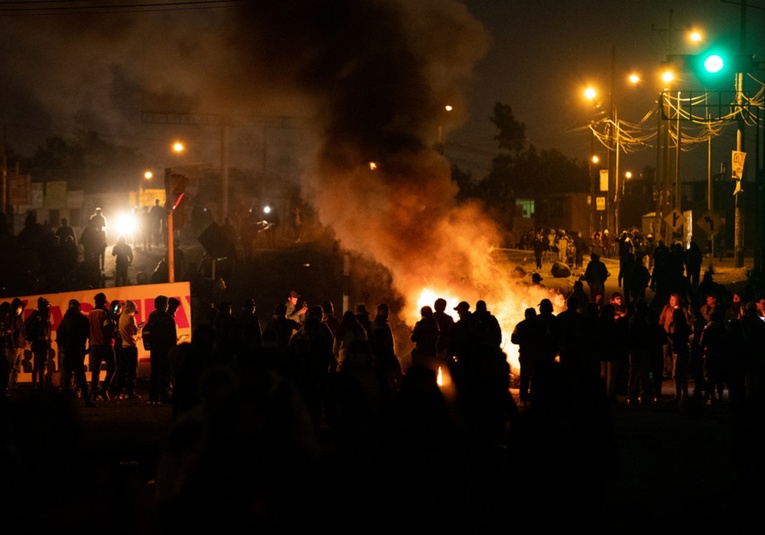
440 377
508 309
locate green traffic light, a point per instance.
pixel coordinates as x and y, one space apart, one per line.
714 63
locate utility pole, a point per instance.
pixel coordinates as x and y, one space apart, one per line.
738 236
613 149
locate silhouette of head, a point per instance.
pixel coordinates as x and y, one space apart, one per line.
462 307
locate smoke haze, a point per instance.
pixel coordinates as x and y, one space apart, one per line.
368 81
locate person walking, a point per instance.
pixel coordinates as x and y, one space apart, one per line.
102 331
72 335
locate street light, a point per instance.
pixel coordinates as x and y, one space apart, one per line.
148 175
440 145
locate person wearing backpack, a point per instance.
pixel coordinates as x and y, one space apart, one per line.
38 333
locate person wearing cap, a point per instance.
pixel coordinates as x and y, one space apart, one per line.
102 328
461 343
294 312
72 336
38 331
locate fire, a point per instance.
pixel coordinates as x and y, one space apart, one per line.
507 308
440 377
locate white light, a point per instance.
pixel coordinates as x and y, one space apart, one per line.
125 224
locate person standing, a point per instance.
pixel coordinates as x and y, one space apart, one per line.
596 274
18 341
523 337
295 313
98 221
539 246
127 355
425 338
124 257
159 334
679 336
445 326
38 331
72 337
65 230
102 330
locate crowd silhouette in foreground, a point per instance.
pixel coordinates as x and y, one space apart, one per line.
309 421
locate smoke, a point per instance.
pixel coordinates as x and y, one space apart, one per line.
368 81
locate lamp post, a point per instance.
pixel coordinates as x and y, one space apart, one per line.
178 148
148 175
440 142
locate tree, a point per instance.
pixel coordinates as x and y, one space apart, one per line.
512 134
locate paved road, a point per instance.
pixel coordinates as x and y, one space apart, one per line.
676 468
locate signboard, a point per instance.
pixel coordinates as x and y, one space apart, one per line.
19 189
55 194
600 203
604 180
737 168
142 295
709 223
675 219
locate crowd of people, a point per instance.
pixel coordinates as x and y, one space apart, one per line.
309 417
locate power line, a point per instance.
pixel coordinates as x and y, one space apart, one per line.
88 7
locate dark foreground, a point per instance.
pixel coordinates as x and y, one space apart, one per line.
666 468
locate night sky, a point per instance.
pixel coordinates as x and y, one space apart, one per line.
89 64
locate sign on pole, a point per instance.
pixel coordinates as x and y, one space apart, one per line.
737 168
675 219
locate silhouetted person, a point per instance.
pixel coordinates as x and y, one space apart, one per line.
127 355
64 230
159 334
123 254
102 331
524 336
38 332
425 338
693 260
596 274
72 336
